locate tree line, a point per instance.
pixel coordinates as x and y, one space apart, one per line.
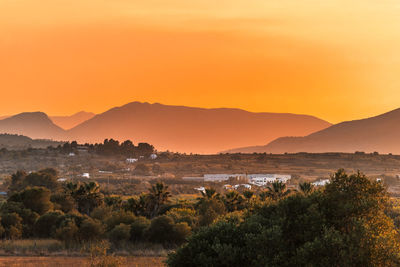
111 147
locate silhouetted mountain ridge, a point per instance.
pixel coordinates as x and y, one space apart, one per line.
36 125
380 133
175 128
189 129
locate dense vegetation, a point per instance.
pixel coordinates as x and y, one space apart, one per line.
345 224
350 222
111 147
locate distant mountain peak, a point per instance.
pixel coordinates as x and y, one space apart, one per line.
33 124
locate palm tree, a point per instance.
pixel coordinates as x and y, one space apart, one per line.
232 200
209 193
306 188
263 195
87 196
277 190
158 196
137 205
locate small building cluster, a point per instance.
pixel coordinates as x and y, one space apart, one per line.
134 160
254 179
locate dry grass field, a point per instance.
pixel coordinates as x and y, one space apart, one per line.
73 261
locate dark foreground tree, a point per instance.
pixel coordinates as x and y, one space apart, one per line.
343 225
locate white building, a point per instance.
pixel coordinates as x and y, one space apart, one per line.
221 177
86 175
131 160
264 179
255 179
321 182
72 154
153 156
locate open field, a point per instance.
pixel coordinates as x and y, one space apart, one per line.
73 261
118 177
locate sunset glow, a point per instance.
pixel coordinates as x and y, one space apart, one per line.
335 59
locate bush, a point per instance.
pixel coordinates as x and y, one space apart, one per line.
181 232
47 224
138 228
163 230
120 233
90 230
68 233
183 215
118 217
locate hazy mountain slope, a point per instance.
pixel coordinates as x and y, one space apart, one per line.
36 125
380 133
19 142
197 130
68 122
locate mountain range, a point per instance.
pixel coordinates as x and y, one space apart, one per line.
377 134
67 122
174 128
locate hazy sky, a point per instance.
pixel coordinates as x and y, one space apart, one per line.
335 59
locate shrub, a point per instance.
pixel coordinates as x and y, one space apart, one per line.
183 215
118 217
161 229
120 233
90 230
47 224
68 233
181 231
138 228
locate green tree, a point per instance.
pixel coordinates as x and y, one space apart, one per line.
277 190
139 228
233 201
120 234
163 230
306 188
343 225
12 224
37 199
157 197
87 196
90 230
47 224
68 233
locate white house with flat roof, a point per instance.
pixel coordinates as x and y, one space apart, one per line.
256 179
222 177
264 179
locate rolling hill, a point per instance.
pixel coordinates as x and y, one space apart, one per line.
380 134
187 129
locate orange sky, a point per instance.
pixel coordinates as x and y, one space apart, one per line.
335 59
